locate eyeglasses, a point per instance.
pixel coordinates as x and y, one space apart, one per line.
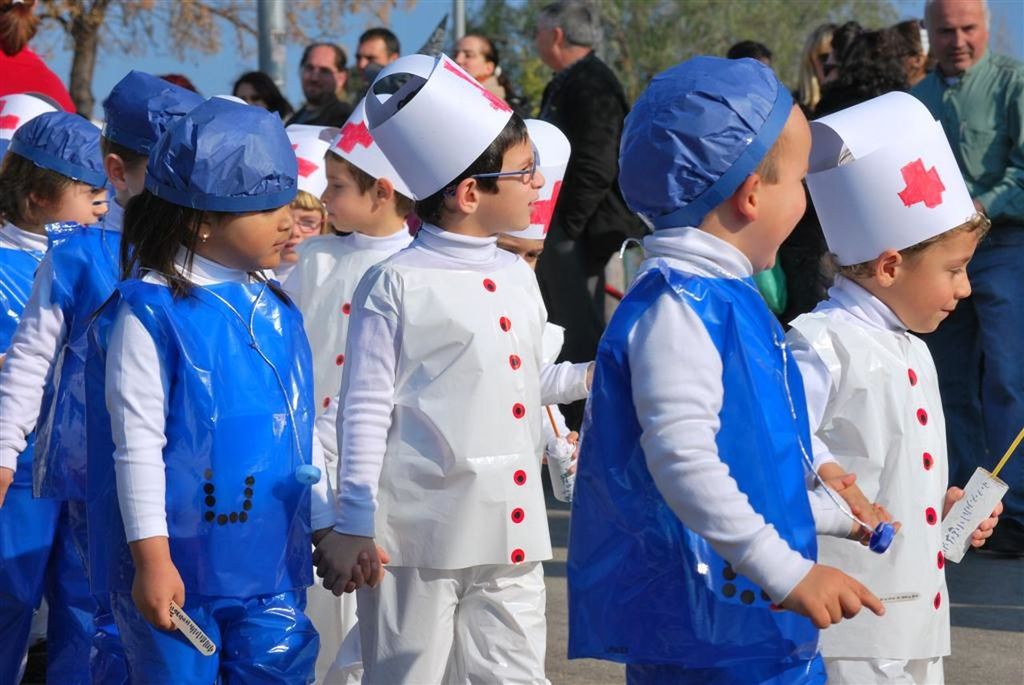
525 175
309 225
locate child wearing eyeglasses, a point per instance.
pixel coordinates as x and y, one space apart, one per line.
442 400
309 217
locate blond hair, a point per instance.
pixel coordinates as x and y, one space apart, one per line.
819 41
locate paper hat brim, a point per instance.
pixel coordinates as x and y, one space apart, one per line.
357 146
310 144
436 124
553 151
18 109
902 187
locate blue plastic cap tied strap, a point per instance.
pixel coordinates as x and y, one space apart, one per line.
141 106
224 157
695 134
62 142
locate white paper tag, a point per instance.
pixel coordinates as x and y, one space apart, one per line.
190 630
981 495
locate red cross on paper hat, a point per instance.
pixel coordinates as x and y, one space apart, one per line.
543 210
8 122
921 185
496 102
306 167
354 134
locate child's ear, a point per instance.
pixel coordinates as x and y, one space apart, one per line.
383 190
887 267
466 197
746 200
116 171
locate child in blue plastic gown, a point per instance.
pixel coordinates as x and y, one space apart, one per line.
902 227
691 524
205 371
51 173
42 387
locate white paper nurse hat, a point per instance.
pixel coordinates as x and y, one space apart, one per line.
355 145
432 120
16 110
883 177
553 151
310 144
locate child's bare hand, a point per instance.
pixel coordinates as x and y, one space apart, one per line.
573 439
157 581
346 562
827 595
6 478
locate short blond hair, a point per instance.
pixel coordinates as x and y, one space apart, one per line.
977 223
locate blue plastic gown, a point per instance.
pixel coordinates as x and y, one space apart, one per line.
643 589
238 518
39 550
84 271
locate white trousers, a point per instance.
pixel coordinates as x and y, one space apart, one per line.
483 624
872 671
339 661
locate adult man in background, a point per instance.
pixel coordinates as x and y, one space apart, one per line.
378 47
322 69
586 101
979 98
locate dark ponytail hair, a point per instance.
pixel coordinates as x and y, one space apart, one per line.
154 231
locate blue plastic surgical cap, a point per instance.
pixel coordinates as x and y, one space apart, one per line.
141 106
65 143
224 157
697 132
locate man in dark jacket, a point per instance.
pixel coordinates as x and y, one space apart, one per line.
586 101
323 77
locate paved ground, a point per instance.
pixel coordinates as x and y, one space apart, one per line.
987 615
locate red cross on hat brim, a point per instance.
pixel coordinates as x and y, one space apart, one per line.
356 145
310 144
553 151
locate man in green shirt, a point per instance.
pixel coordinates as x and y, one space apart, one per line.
979 98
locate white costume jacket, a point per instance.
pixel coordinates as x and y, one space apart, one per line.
874 403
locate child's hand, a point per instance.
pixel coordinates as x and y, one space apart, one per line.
845 485
985 528
157 581
827 595
573 439
347 562
6 478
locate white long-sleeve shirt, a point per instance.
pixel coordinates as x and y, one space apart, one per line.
31 357
368 385
137 388
677 390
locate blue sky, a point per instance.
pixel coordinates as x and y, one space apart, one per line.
215 74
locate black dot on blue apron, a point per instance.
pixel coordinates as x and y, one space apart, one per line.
250 480
247 505
248 492
243 517
233 517
210 500
729 590
208 488
208 474
209 516
747 596
222 519
728 573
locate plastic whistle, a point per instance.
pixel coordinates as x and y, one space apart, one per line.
191 631
881 537
307 474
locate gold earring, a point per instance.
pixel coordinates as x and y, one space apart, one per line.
204 237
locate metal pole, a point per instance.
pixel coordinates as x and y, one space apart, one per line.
270 20
459 10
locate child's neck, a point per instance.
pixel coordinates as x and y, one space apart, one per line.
467 225
38 229
384 228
